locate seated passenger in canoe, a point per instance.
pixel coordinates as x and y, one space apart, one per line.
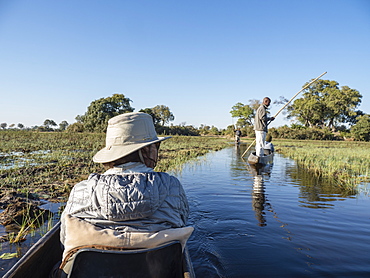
130 205
268 145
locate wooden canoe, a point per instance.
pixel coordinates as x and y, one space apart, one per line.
268 158
47 252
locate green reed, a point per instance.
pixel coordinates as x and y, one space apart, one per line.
50 163
180 149
345 162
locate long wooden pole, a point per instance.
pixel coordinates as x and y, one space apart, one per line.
281 109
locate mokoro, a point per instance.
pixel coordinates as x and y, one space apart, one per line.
268 158
47 252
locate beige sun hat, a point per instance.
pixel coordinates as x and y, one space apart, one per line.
127 133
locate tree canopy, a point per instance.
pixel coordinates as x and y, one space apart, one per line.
75 127
361 130
101 110
244 113
163 114
63 125
48 123
324 104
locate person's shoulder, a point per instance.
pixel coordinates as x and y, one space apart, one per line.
261 107
167 177
91 178
161 174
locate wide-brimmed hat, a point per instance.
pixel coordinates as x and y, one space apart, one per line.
127 133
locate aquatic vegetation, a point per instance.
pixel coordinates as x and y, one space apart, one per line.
50 163
180 149
47 165
28 224
8 256
345 162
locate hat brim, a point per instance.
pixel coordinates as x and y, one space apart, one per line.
117 151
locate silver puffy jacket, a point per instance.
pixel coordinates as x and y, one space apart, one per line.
128 200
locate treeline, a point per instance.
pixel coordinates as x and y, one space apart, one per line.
307 133
284 132
185 130
48 125
325 111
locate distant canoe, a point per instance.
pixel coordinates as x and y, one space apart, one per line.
268 158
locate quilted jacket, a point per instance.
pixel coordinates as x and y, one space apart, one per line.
130 197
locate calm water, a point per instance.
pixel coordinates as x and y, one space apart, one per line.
278 223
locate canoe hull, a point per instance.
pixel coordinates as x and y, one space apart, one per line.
253 159
40 258
47 253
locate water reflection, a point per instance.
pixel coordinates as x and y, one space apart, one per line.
259 200
238 165
318 193
258 222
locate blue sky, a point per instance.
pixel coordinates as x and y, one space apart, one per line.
199 58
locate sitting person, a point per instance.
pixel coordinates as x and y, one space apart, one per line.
130 197
268 145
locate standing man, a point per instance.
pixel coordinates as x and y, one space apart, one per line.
238 134
260 125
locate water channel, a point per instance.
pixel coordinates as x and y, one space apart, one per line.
278 222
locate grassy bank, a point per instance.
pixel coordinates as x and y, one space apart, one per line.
346 163
49 164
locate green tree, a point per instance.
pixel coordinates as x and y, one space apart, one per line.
163 113
361 130
75 127
214 131
230 130
204 129
48 123
325 104
20 126
3 125
79 118
63 125
101 110
244 113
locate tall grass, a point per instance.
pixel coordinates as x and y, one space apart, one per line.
180 149
49 164
347 163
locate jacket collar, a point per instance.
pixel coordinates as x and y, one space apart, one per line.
127 168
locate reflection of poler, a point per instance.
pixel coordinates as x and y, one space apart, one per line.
260 125
258 200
